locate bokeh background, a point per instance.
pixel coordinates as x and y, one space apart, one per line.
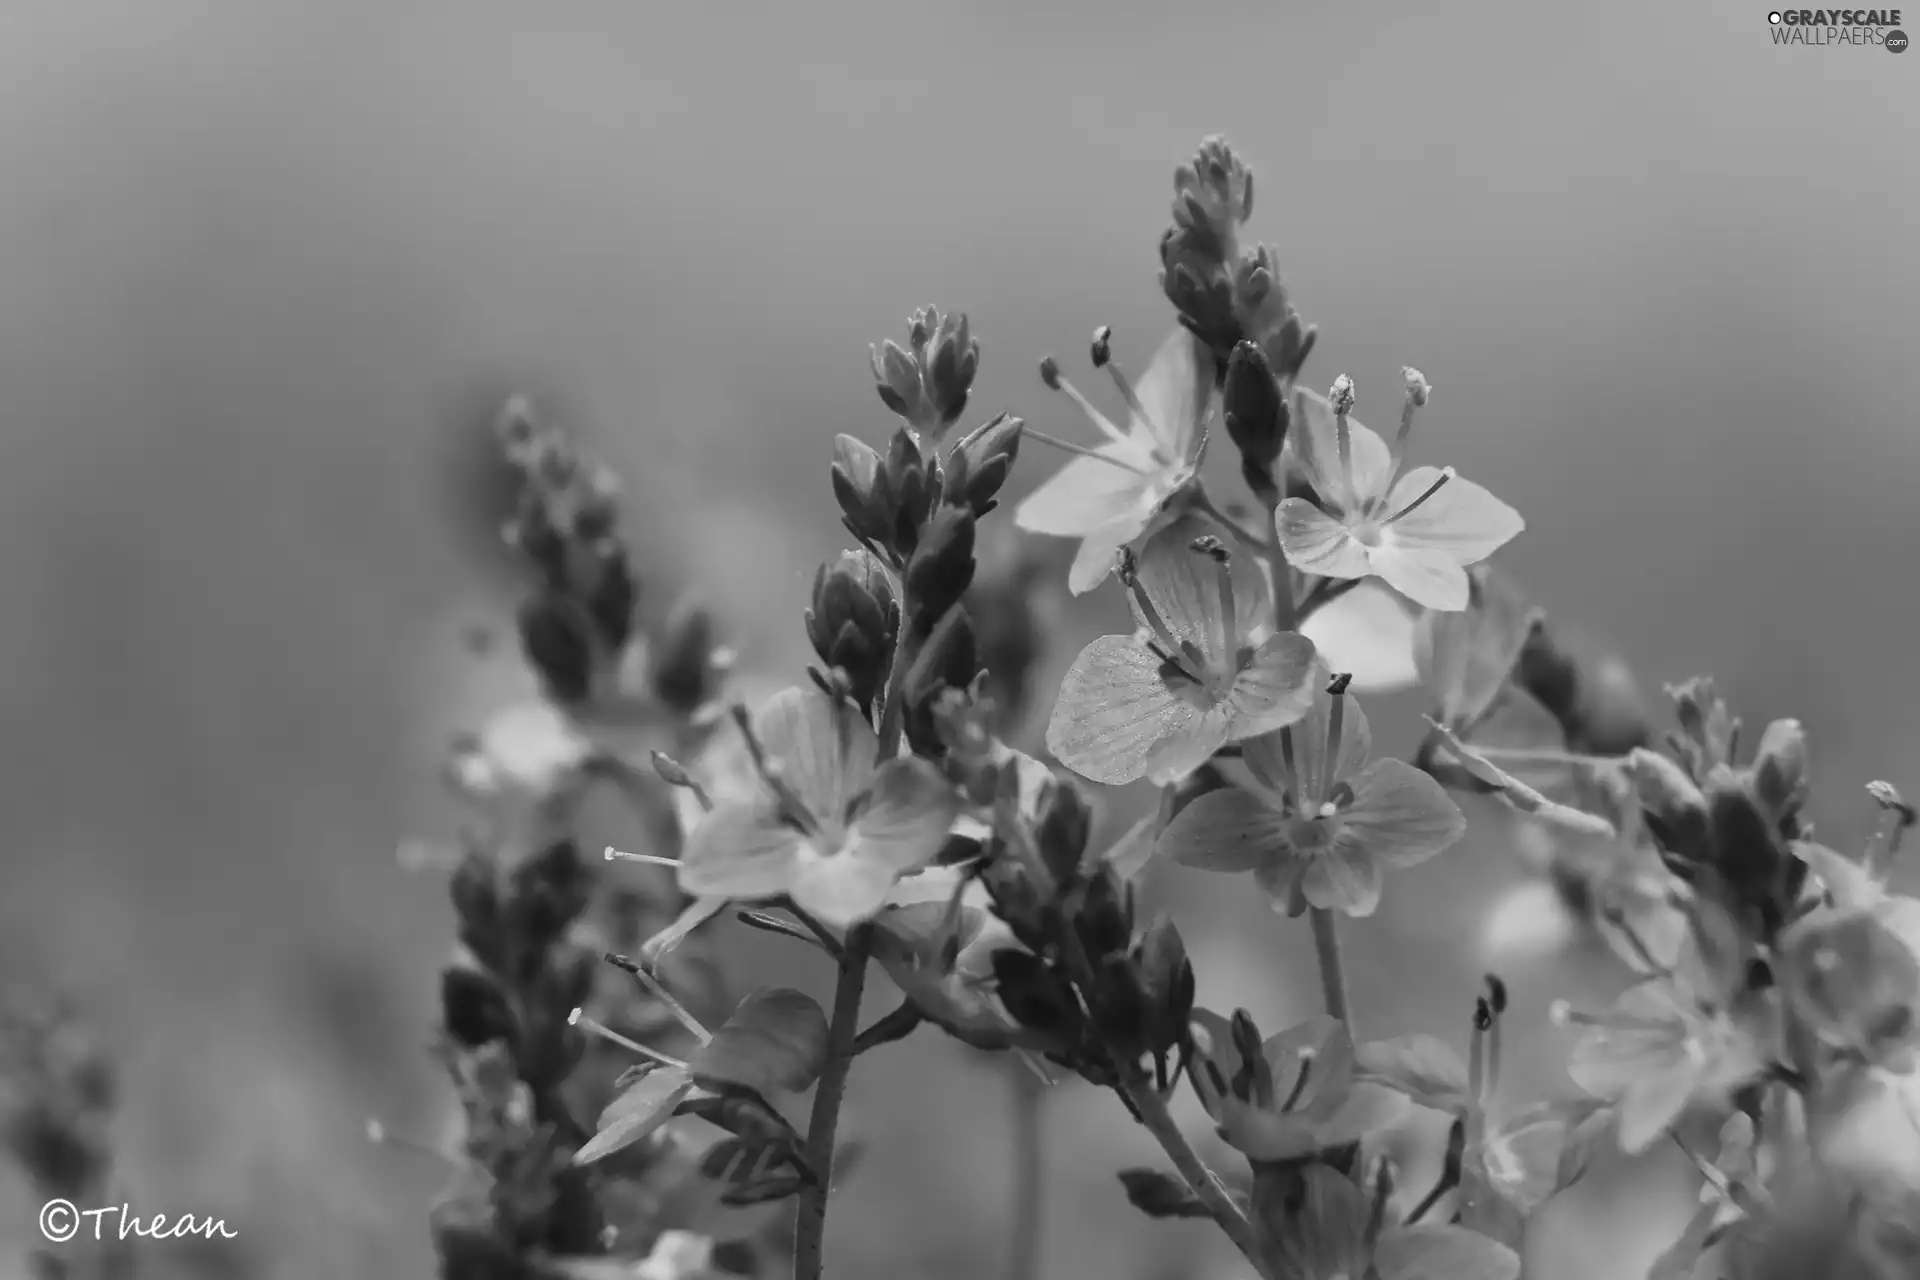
260 261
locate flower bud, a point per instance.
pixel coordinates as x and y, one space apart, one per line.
948 659
1166 975
856 475
1255 414
685 669
1674 809
1103 915
907 492
1037 997
612 596
475 891
1200 288
853 622
896 377
549 891
941 569
473 1008
1780 769
1266 313
954 358
1707 727
1065 823
979 465
559 646
1213 195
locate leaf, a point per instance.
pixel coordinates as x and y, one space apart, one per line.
776 1040
1161 1195
647 1104
1423 1067
1520 797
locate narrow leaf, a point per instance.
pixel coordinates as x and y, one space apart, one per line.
647 1104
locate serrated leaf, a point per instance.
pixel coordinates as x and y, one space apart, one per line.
1423 1067
776 1040
646 1104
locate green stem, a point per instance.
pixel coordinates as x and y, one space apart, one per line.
1333 972
810 1225
1203 1181
1029 1172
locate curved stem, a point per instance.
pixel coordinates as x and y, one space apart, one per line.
1029 1172
1333 972
810 1217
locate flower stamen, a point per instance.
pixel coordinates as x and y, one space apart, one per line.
1067 446
578 1018
660 993
650 859
793 810
1050 374
1163 643
1215 550
1336 729
1432 489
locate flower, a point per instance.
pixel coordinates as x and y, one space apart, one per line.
1110 495
1419 532
1661 1049
1293 1099
1325 824
1203 671
832 826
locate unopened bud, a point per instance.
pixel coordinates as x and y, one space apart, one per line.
1066 822
557 640
980 464
941 569
953 359
856 474
684 671
1780 768
1256 414
949 660
853 622
1674 808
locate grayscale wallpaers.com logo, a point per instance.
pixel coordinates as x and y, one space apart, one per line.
1839 26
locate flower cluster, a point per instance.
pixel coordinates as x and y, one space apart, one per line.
883 812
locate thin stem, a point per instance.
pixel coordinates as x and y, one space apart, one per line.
1029 1173
1333 973
1206 1184
810 1218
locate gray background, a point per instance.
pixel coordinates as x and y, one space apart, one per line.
255 257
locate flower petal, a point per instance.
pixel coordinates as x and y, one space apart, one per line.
1315 441
1276 687
1282 881
1401 815
1461 520
1638 1038
1367 631
1344 880
697 913
840 889
1227 830
739 851
1654 1101
907 818
1315 772
1118 719
1174 391
1426 577
1432 1251
1099 553
1086 494
824 749
1315 542
1184 588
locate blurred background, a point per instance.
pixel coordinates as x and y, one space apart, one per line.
261 263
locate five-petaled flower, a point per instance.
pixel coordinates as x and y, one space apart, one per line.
1417 531
1320 825
1661 1049
1297 1097
832 826
1111 495
1204 669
